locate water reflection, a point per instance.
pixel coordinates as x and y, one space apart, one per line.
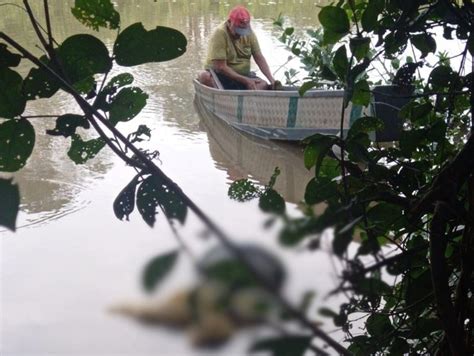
243 156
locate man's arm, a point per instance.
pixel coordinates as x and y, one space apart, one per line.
221 66
263 65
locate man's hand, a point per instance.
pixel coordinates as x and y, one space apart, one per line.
252 83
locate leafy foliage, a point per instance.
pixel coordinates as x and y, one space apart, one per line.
96 13
157 269
402 202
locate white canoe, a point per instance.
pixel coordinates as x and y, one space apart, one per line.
279 115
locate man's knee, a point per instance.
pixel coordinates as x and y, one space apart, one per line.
205 78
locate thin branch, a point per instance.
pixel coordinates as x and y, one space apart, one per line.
48 23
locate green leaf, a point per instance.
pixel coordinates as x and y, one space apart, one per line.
385 216
411 140
9 204
365 125
294 345
8 59
340 62
135 45
154 192
39 84
231 272
328 313
85 86
272 202
341 241
327 73
243 190
12 101
157 269
119 81
359 47
221 264
305 87
127 104
318 191
399 347
424 43
334 19
82 56
441 76
370 15
67 124
319 145
379 325
335 23
124 204
470 44
361 93
17 139
296 230
81 151
96 13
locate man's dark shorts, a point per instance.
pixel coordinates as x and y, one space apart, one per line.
231 84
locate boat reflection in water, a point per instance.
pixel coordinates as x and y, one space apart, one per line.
245 156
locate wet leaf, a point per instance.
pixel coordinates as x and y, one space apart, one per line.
157 269
9 203
67 124
124 204
294 345
135 45
127 104
17 139
96 13
81 151
12 101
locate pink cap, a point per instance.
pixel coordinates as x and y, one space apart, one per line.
239 17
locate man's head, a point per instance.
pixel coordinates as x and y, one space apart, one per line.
239 19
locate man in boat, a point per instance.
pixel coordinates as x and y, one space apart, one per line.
231 46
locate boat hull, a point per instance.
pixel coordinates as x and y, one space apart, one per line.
278 115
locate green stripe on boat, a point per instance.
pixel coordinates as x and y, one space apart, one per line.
292 110
240 107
